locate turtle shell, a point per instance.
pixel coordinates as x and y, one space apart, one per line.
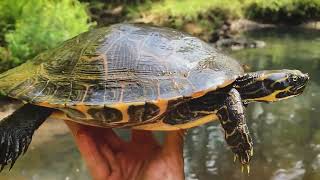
121 64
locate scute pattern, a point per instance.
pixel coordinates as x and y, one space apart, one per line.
106 114
141 113
121 63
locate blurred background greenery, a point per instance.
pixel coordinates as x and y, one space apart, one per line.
28 27
286 134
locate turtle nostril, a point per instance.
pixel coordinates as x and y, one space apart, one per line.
305 78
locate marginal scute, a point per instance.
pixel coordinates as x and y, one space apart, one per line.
74 113
106 114
141 113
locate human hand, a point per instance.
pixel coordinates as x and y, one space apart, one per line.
110 158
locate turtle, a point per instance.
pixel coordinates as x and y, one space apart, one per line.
142 77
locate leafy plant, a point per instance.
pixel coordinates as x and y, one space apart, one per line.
283 11
31 26
201 17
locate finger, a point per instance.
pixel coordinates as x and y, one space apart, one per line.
174 142
108 155
74 127
173 151
89 150
143 137
109 136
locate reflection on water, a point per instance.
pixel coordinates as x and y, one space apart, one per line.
286 134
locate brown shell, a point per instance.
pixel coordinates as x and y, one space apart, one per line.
121 63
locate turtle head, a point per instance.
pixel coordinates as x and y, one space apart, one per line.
273 85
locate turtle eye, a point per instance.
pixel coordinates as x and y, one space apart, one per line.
294 78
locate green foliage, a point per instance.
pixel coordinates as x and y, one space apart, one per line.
200 17
9 12
190 9
283 11
31 26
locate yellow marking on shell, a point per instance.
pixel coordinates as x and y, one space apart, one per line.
161 126
59 115
82 108
45 104
162 104
198 94
123 107
157 126
272 97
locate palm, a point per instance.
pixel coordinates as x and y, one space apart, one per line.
109 157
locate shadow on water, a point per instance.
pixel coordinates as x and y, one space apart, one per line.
286 134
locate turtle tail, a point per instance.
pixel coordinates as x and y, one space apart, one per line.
16 131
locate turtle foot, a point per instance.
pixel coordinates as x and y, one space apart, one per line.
13 144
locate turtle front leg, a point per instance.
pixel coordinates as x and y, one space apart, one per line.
17 129
233 121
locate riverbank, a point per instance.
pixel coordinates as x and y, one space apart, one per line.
209 19
22 20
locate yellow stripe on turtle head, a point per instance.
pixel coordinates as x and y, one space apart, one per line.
273 96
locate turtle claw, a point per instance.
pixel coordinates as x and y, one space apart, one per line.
235 158
248 169
244 159
245 166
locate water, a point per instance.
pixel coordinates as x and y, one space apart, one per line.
286 134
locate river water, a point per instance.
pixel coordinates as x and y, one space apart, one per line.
286 134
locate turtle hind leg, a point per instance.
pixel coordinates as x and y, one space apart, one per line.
233 121
17 129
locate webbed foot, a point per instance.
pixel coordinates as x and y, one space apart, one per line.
237 135
16 132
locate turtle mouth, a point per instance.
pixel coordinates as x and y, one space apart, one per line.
302 85
299 89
